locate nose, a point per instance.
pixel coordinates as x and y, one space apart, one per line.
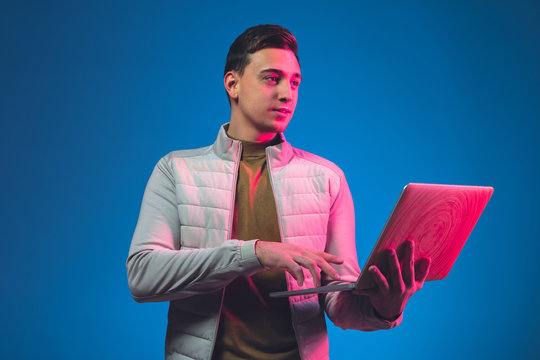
285 91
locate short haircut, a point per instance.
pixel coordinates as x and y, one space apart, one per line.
257 38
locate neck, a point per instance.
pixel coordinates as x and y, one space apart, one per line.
245 133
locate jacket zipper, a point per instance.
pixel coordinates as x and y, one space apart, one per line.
275 200
283 241
235 179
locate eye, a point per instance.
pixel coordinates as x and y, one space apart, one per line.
272 79
295 83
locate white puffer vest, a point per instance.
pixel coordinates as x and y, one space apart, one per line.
182 249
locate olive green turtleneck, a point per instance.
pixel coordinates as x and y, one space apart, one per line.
252 325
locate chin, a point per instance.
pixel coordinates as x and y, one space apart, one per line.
280 125
279 128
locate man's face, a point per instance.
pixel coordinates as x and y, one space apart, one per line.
267 91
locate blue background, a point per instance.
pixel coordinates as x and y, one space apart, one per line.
94 93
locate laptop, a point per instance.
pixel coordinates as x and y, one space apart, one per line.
439 218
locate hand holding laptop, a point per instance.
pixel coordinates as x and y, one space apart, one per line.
402 277
439 218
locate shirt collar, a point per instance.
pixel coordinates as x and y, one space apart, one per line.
228 149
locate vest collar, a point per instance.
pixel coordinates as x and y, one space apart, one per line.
228 149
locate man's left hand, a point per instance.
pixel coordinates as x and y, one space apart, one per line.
404 277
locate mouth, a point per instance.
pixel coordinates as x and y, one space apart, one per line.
283 111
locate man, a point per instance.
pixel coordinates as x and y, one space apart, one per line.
222 226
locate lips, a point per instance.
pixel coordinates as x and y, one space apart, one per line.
284 111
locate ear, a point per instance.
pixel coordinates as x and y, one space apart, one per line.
230 80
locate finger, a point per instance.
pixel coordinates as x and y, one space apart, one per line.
329 257
407 267
365 292
296 272
311 265
379 278
324 266
394 271
422 270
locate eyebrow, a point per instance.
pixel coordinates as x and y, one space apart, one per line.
280 72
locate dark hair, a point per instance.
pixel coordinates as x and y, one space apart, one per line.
257 38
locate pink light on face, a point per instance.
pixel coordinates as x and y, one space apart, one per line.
264 97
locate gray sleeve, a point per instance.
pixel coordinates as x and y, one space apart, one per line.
345 309
158 270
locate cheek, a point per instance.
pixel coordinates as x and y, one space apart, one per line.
295 99
268 93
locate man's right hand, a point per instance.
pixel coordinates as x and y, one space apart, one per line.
293 258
